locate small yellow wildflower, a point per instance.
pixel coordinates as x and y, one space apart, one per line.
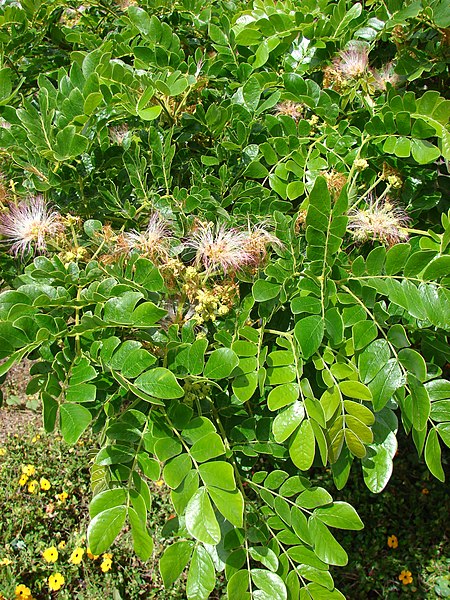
50 554
33 486
22 591
23 479
392 541
160 482
63 496
425 491
35 438
405 577
45 484
5 562
2 451
107 556
106 565
28 470
90 555
77 556
62 544
55 582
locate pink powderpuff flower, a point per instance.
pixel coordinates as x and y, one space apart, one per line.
28 224
385 75
382 221
153 242
258 239
218 248
353 61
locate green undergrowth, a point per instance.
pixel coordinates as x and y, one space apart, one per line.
414 508
33 522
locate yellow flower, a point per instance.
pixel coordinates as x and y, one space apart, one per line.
62 544
160 482
106 565
28 470
32 486
107 556
45 484
392 541
63 496
405 577
35 438
2 451
90 555
23 479
77 556
50 554
425 491
5 562
55 582
22 591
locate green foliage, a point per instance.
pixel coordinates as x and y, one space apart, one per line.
235 370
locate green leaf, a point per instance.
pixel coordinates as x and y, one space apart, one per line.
238 585
221 363
140 19
114 455
282 395
438 389
176 470
201 577
209 446
433 455
424 152
359 411
173 561
160 383
364 332
93 100
302 446
5 83
105 527
151 113
142 541
314 497
385 383
326 546
287 421
309 334
201 521
168 447
74 420
264 290
340 515
229 503
270 583
373 359
420 403
355 389
107 499
413 362
147 314
85 392
354 443
69 144
196 356
244 386
318 592
219 474
437 268
264 555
